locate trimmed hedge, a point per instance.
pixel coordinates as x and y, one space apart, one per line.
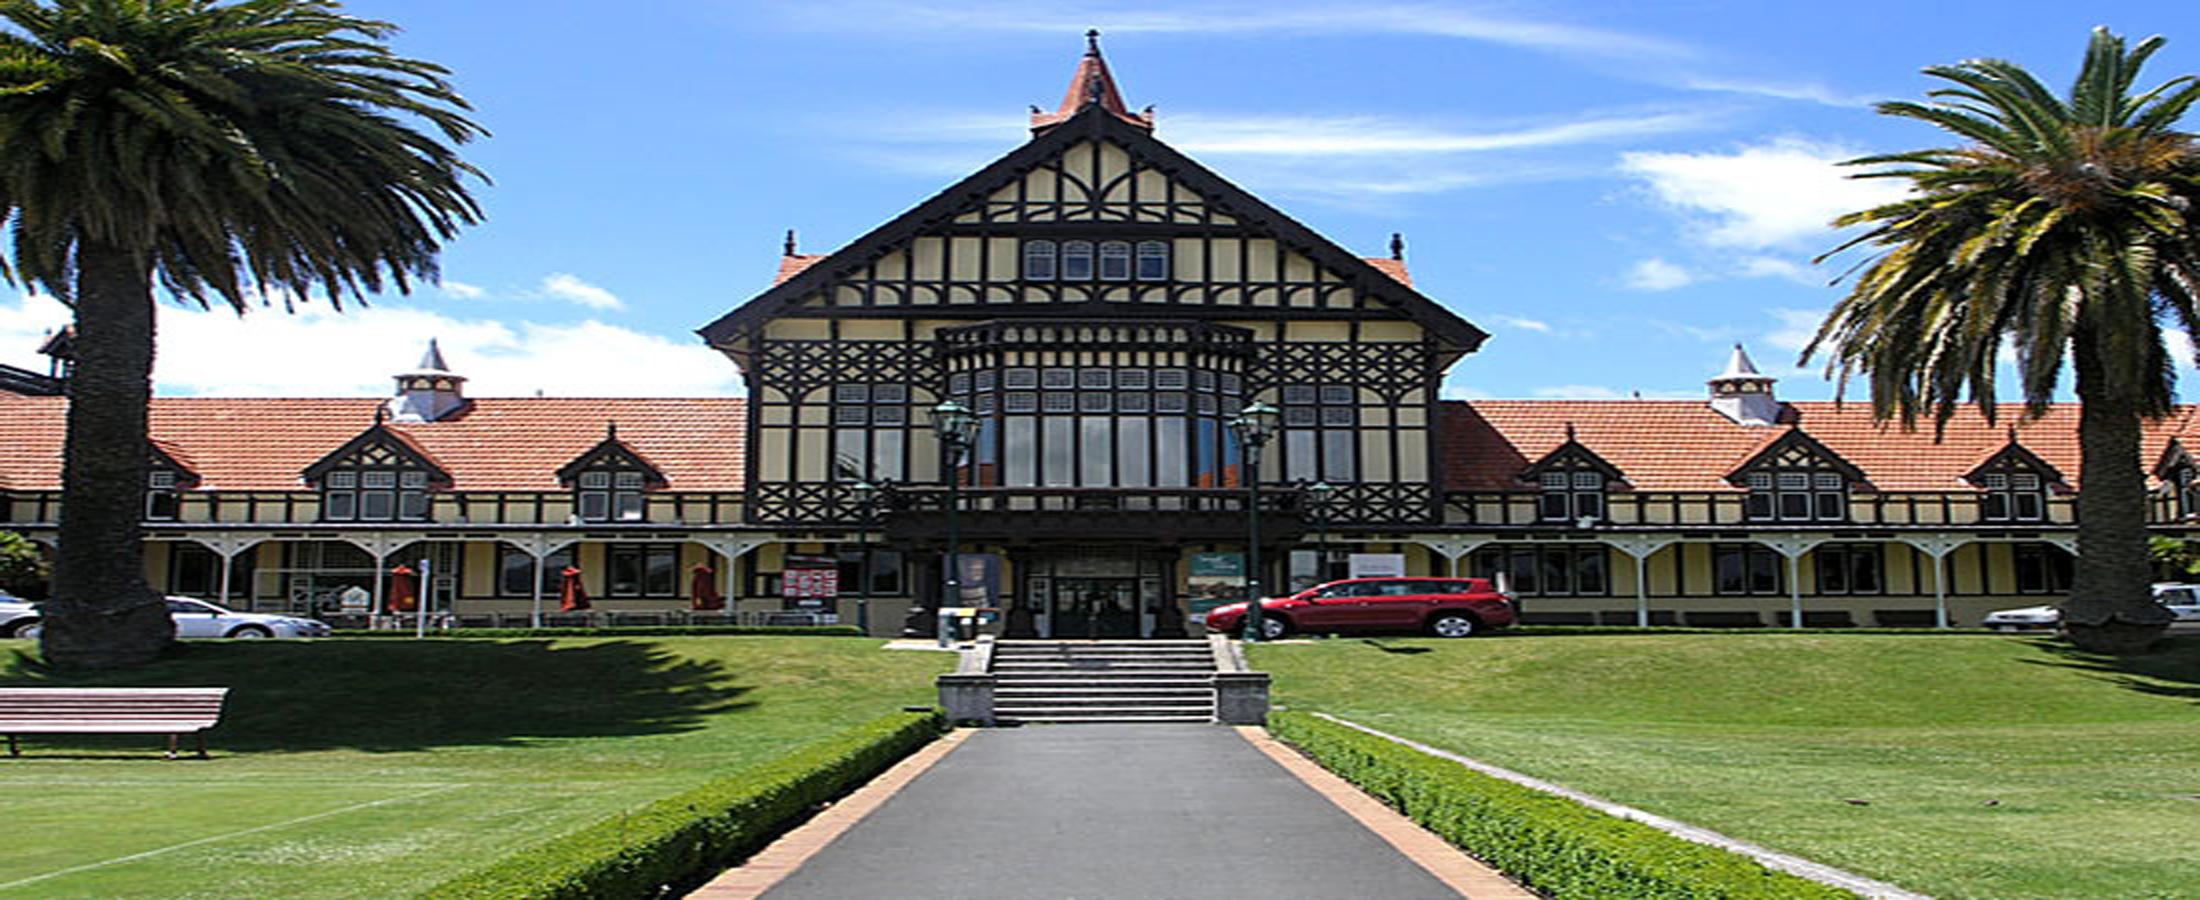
633 631
1545 630
676 844
1551 844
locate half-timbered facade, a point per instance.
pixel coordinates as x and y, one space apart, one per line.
1103 306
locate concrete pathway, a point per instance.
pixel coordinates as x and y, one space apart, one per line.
1097 811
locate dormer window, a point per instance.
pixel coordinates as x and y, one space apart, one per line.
1789 496
374 494
1572 496
611 496
611 482
2012 497
162 503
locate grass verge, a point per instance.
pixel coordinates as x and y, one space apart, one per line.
1553 845
350 768
1960 766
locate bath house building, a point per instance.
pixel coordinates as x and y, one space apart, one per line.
1094 312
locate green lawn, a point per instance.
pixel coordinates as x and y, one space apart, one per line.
1987 766
376 768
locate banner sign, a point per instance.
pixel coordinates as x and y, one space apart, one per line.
810 582
1378 565
1216 579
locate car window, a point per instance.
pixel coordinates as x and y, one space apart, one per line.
2176 596
179 606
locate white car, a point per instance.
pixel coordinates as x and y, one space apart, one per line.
2182 599
194 618
17 616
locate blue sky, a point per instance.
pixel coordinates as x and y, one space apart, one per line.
1616 191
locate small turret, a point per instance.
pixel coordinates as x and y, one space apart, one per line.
429 393
1743 394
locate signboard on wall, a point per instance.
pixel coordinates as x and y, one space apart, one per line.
1216 579
810 582
1378 565
981 580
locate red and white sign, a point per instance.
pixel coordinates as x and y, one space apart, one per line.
815 584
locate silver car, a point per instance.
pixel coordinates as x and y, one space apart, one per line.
2181 599
18 617
194 618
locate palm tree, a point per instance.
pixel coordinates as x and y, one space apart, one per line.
241 150
2063 228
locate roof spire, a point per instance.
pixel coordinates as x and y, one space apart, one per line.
1743 394
1090 85
788 248
433 360
1398 246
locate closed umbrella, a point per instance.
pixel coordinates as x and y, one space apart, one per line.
572 597
703 590
404 593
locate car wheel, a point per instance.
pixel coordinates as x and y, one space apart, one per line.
1272 627
27 629
251 632
1453 625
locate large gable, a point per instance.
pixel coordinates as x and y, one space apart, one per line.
1097 173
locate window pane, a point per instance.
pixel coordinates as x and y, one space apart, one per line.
515 570
1039 260
1130 453
630 507
595 505
1554 481
1764 571
1833 570
1299 458
1759 506
343 479
1864 567
1727 565
1115 261
1077 260
339 505
1153 260
1590 572
1339 456
1554 506
377 506
1589 506
1061 436
1169 444
595 479
1557 571
1996 506
631 480
664 572
626 571
2029 507
1098 461
1833 506
1020 446
412 505
1795 506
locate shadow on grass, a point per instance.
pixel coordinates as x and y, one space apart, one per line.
396 696
2170 669
1387 648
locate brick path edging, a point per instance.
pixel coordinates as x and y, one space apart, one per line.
1769 858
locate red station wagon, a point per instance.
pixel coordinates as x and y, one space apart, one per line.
1445 607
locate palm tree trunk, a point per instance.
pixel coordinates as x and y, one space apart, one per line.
102 613
2111 608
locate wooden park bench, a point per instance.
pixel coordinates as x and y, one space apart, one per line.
171 711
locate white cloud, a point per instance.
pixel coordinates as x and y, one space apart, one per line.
1810 91
1797 327
318 352
1464 392
459 290
1522 324
1780 267
1781 194
1210 19
1656 274
1601 392
564 286
1364 135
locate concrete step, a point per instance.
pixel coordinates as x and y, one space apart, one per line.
1091 713
1106 720
1107 690
1083 675
1002 704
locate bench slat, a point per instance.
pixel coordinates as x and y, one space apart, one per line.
170 711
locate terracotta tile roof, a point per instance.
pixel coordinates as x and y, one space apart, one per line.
792 264
514 444
1091 85
1395 268
1682 445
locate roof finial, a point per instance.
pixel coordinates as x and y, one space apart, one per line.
2012 434
1091 85
1092 42
788 249
381 414
611 429
1569 431
1397 246
432 361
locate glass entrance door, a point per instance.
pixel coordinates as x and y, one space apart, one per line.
1091 608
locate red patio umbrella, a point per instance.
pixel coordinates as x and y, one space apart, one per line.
572 597
703 590
404 595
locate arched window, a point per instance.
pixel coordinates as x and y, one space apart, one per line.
1115 261
1076 260
1039 260
1153 260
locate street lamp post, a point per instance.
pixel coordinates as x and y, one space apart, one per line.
866 511
957 429
1317 501
1254 426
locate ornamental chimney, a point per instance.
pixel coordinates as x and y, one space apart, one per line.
429 393
1743 394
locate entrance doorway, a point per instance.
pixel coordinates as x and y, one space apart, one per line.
1092 608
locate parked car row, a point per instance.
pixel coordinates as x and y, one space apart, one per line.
1444 607
194 618
2180 599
